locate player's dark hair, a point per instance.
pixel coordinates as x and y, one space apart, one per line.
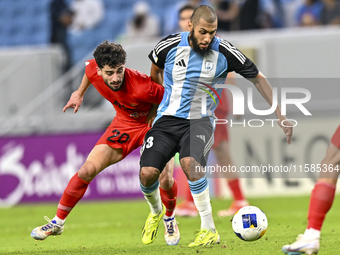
110 54
205 12
185 7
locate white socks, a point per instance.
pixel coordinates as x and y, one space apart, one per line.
154 200
311 234
202 202
59 221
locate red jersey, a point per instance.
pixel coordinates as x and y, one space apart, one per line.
134 100
336 138
222 110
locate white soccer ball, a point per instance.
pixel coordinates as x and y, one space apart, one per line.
250 223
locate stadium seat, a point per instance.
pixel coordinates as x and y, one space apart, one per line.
28 23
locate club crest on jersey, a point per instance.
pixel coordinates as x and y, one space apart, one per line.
209 65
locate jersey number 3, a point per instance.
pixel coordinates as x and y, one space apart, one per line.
148 144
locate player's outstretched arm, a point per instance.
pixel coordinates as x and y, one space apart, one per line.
77 96
265 89
152 115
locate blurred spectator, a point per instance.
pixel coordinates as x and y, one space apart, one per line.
87 14
309 13
282 13
249 14
61 18
184 17
226 12
143 25
237 14
330 13
171 17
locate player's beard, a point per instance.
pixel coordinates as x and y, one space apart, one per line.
195 45
112 87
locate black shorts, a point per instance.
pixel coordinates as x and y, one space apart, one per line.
169 135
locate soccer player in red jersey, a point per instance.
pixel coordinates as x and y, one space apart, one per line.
321 201
133 96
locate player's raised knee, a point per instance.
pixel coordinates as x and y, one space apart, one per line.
87 172
148 175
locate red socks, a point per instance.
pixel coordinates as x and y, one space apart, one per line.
321 201
188 196
234 186
74 191
169 198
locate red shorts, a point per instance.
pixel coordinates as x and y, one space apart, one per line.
336 138
125 135
220 134
221 130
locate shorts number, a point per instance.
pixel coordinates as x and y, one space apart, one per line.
121 138
148 144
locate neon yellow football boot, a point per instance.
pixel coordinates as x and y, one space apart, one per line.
150 229
205 237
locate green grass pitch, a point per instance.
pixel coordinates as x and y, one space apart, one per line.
115 227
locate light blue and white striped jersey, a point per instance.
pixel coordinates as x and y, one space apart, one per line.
190 78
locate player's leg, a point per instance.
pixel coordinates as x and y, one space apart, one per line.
168 188
115 144
99 158
168 192
187 207
222 153
200 192
195 147
321 200
158 149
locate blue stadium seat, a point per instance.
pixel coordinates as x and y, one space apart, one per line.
27 22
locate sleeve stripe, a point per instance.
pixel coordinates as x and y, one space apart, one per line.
167 40
167 45
233 51
163 44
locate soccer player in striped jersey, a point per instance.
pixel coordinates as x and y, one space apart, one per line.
220 146
190 64
321 201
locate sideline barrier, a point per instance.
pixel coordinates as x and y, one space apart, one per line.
38 168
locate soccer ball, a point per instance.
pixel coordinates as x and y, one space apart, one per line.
250 223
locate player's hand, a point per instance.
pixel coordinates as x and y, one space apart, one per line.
152 115
287 128
75 101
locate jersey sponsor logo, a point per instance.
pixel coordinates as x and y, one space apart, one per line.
137 115
202 137
209 65
121 106
181 63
